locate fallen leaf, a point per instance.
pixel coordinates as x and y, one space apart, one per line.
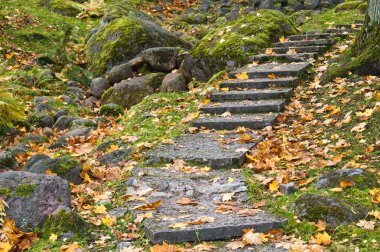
368 225
53 237
242 76
359 128
186 202
345 183
272 76
252 238
165 248
274 186
321 225
141 217
108 220
149 206
323 239
227 196
235 245
201 220
101 209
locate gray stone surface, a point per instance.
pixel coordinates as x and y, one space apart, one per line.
305 43
115 157
250 121
309 36
297 57
63 122
361 178
205 188
255 248
280 70
245 106
162 59
7 160
255 94
288 188
260 83
33 197
83 132
204 148
99 86
119 73
173 82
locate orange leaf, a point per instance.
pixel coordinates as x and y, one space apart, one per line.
242 76
345 183
273 186
150 206
323 239
166 248
272 76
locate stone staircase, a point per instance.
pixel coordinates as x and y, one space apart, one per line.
253 103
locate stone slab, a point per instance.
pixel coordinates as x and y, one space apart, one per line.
208 149
348 26
305 43
251 121
256 94
241 107
260 83
359 21
294 69
300 49
297 57
205 188
342 31
309 36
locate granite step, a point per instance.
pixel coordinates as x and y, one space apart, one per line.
294 69
296 57
342 31
260 83
349 26
305 43
242 107
299 49
257 94
358 21
309 36
216 150
250 121
206 190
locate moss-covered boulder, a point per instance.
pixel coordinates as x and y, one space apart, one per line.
362 179
122 39
314 207
7 161
130 92
64 7
350 5
33 197
65 167
111 109
231 44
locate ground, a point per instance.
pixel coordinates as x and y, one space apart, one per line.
323 129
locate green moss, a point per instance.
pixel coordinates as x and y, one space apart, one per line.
25 190
352 5
237 40
63 165
65 7
5 192
111 110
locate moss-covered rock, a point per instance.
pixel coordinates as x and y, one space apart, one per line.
122 39
7 161
300 17
111 109
130 92
64 7
231 44
352 5
314 207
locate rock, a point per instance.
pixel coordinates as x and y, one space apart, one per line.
48 132
124 245
288 188
34 159
162 59
42 107
60 113
99 86
33 197
70 100
173 82
90 102
83 132
42 120
7 161
107 144
123 39
314 207
118 212
114 157
43 99
35 139
267 4
119 73
130 92
63 122
65 7
135 63
111 109
312 4
18 149
82 123
300 17
65 167
76 91
362 179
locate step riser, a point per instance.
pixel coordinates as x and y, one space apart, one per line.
309 37
244 110
251 97
305 43
342 31
258 85
278 74
282 58
305 49
233 125
349 26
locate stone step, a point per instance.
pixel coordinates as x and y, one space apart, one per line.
358 21
296 57
242 107
349 26
257 94
309 36
261 83
250 121
206 189
305 43
300 49
216 150
342 31
294 69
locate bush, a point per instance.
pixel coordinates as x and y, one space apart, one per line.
10 109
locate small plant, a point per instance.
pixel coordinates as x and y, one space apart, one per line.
10 109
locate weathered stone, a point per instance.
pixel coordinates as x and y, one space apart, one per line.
36 139
48 132
7 161
99 86
135 63
82 123
114 157
65 167
90 102
362 179
274 93
162 59
170 186
241 107
111 109
173 82
43 99
63 122
316 42
83 132
60 113
33 197
118 212
42 121
205 148
34 159
78 92
130 92
119 73
260 83
288 188
19 148
42 107
314 207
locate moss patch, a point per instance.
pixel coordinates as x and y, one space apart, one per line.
352 5
25 190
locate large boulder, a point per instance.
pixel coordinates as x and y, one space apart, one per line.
161 59
124 38
173 82
65 167
130 92
119 73
98 86
64 7
231 44
33 197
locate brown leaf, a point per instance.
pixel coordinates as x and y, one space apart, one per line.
346 183
150 206
187 202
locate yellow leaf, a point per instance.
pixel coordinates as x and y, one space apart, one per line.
273 186
227 196
53 237
230 180
5 246
166 248
9 56
252 238
108 220
323 239
269 51
242 76
283 39
150 206
336 189
375 214
224 89
50 173
345 183
376 198
291 51
321 225
141 217
206 101
272 76
101 209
